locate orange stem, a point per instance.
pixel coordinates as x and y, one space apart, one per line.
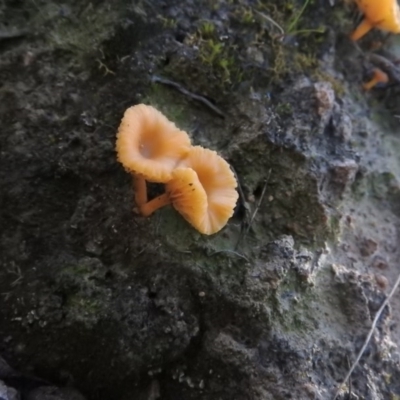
153 205
361 30
378 77
140 188
370 84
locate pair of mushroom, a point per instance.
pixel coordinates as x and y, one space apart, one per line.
198 183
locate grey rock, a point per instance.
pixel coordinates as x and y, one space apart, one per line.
8 393
5 369
54 393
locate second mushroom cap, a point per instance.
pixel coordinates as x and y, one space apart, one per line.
203 190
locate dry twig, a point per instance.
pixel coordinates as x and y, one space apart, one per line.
194 96
4 34
270 20
374 323
244 232
231 252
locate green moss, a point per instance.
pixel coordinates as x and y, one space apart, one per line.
83 305
302 61
80 31
305 61
337 85
291 15
378 185
80 270
293 18
245 15
341 18
207 29
216 57
83 309
297 316
284 110
168 23
287 62
84 277
169 102
173 231
334 226
84 294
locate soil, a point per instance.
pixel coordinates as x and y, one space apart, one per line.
97 300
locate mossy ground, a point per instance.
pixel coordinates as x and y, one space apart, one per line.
147 295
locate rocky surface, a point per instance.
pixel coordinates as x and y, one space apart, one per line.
97 300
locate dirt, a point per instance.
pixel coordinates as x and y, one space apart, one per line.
97 299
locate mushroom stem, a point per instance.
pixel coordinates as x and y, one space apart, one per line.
139 186
153 205
371 83
361 30
378 77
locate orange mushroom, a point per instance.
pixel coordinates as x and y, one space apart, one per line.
202 190
378 77
149 146
382 14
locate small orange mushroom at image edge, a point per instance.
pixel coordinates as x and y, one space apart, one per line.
378 77
202 190
382 14
149 146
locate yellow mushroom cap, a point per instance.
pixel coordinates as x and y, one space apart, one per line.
384 14
149 144
203 190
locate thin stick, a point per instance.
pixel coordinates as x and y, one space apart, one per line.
244 233
12 34
245 206
241 193
186 92
269 19
258 204
350 384
241 196
231 252
374 323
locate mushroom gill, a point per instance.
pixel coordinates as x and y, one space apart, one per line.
202 190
